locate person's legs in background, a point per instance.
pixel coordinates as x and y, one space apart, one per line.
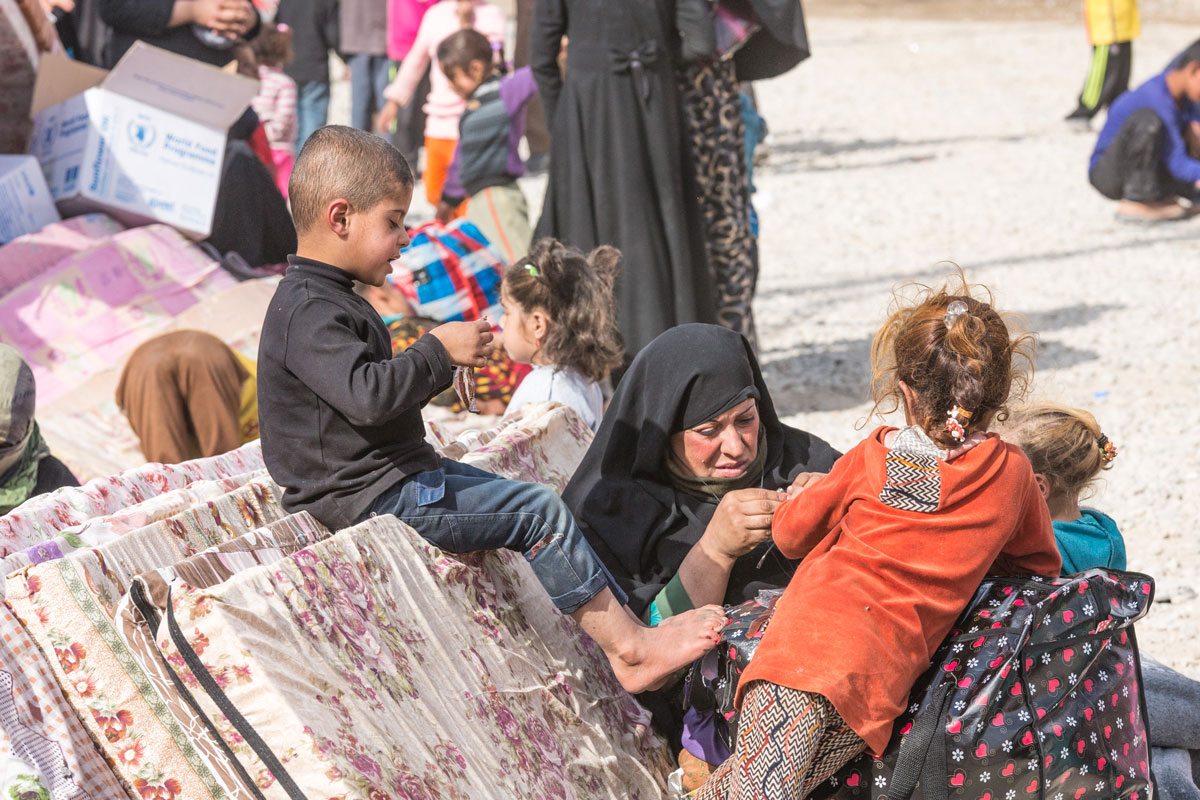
1131 170
362 90
381 76
368 78
312 109
1107 79
409 132
438 155
501 213
1116 81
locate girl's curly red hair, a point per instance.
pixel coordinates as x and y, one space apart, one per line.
973 361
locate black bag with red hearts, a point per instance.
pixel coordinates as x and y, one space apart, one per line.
712 681
1036 694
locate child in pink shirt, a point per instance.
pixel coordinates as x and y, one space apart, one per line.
275 103
443 106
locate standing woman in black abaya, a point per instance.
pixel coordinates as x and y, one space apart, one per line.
771 39
619 174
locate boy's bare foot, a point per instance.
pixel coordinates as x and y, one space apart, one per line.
1158 211
654 654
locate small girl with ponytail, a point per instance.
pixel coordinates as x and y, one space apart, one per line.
894 541
559 316
1068 451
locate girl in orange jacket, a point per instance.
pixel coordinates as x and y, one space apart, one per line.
894 541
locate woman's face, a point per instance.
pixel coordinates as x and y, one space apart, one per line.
722 447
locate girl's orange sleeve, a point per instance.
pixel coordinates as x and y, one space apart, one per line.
802 522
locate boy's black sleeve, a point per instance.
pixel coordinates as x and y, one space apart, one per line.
322 350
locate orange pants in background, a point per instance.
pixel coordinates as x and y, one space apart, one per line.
438 155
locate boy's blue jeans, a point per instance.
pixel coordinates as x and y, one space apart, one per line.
462 509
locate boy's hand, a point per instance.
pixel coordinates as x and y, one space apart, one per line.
387 116
467 343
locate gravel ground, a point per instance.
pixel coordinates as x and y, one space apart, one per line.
907 141
931 130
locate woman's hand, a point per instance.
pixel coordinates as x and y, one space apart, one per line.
802 482
226 17
741 523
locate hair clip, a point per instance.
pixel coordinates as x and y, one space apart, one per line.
957 430
282 27
1108 450
532 270
953 311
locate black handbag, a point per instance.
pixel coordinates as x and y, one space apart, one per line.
1036 694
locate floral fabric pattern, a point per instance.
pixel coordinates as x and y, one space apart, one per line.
262 546
28 256
68 606
317 636
44 516
42 740
101 530
373 665
543 443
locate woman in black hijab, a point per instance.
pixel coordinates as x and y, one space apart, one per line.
677 491
691 452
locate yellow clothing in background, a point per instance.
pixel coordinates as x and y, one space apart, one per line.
1111 21
248 415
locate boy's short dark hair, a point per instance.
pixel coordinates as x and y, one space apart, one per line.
337 161
460 48
1192 53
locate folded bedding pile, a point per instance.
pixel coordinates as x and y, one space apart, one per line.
171 632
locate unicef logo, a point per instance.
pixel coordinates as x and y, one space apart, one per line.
141 135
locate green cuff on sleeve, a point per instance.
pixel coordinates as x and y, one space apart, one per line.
672 600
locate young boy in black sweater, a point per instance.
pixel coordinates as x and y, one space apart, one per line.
341 418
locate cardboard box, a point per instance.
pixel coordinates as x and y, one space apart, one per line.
144 142
25 202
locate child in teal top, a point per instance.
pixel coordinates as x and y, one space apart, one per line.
1067 451
1092 540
